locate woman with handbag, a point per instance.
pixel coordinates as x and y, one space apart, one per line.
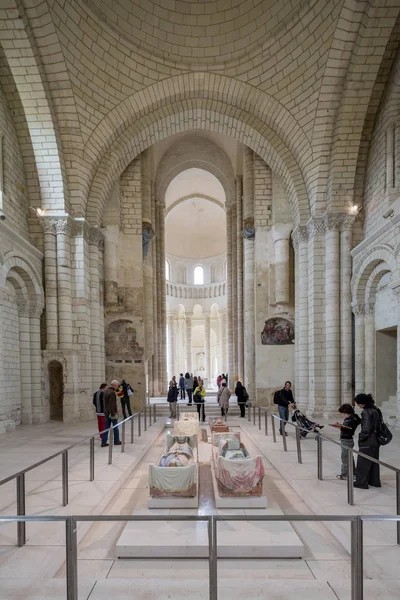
242 397
367 472
198 397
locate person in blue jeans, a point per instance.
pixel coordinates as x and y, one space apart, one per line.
111 413
285 399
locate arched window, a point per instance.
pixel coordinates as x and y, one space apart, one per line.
198 275
167 270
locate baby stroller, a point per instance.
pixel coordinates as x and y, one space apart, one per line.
306 424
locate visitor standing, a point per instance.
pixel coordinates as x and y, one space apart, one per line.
98 401
242 397
223 379
111 413
189 388
219 381
127 393
367 472
284 398
182 386
198 397
172 398
195 383
224 393
347 430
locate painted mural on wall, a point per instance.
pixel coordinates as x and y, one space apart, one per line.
277 332
120 342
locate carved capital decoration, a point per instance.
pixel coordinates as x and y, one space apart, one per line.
96 237
63 225
315 226
249 231
347 222
358 309
299 235
80 229
26 309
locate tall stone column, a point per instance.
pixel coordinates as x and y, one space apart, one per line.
228 209
163 300
234 372
300 242
96 244
207 345
25 362
40 413
50 278
332 314
345 309
188 323
147 235
280 236
359 348
396 291
63 231
224 342
239 276
370 346
248 269
316 316
171 350
155 362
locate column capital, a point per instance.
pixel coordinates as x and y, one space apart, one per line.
363 309
281 231
96 237
249 230
299 235
57 224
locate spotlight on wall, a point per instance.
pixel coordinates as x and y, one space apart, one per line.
354 209
38 211
388 214
2 216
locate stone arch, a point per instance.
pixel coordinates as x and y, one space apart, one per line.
37 105
189 197
374 279
27 274
358 89
196 115
382 257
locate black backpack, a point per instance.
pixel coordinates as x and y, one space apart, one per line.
383 434
277 397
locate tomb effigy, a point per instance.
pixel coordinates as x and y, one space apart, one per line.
236 474
188 424
174 478
218 425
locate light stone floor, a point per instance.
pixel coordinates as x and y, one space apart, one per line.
37 571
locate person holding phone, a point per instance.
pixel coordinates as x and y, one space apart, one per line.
347 430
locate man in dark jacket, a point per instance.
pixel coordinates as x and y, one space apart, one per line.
284 400
125 399
111 413
347 430
182 386
98 401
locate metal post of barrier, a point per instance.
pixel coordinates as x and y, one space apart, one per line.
150 415
145 418
273 428
71 558
91 459
123 437
213 545
65 478
21 526
254 414
284 442
249 413
155 412
132 432
398 504
319 457
178 411
139 424
350 477
357 592
298 444
266 422
259 417
110 444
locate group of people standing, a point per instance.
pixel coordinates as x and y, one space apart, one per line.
367 472
193 387
105 401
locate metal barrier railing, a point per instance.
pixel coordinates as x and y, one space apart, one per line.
19 477
320 438
71 539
